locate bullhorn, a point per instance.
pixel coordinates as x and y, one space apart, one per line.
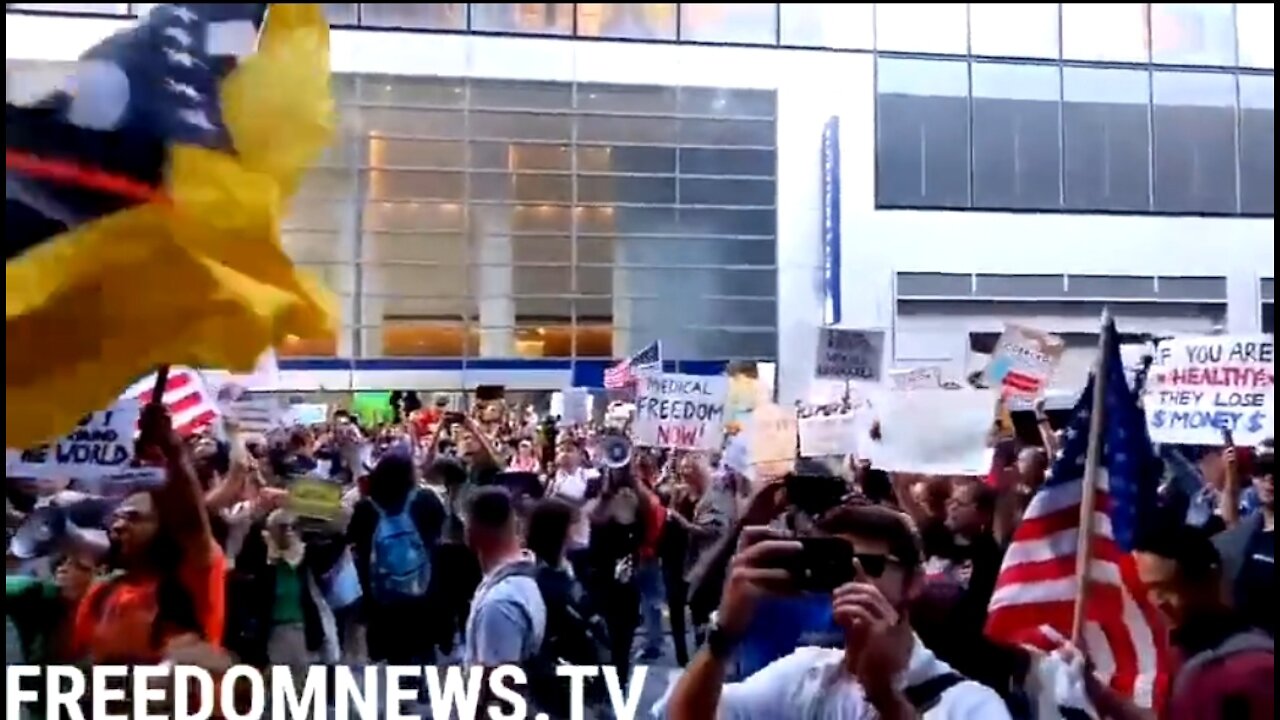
616 450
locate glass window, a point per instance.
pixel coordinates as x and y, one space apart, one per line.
537 18
430 16
1258 144
1106 139
923 27
1193 34
340 13
641 21
97 8
1195 142
754 23
1256 30
837 25
1097 31
1014 29
922 133
1016 136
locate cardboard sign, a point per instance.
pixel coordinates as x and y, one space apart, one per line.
680 411
773 441
850 354
920 378
1023 361
101 446
316 499
1198 387
830 430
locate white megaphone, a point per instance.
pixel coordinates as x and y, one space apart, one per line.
616 450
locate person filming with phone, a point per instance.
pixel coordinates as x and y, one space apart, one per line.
868 559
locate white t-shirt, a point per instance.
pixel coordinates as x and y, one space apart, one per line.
811 684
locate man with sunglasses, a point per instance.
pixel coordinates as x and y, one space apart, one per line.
883 670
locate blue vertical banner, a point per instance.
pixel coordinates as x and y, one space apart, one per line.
831 221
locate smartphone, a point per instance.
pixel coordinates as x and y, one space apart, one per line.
822 565
814 494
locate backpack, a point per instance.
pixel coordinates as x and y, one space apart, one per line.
575 635
399 565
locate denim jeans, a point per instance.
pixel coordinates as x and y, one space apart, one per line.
652 595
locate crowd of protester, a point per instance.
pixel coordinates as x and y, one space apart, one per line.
501 536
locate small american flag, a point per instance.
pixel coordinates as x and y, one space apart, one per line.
1037 587
186 397
623 375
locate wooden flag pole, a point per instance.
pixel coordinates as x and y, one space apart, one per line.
1089 485
162 381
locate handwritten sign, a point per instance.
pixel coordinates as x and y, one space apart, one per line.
850 354
920 378
680 411
773 441
830 431
1023 361
314 498
101 446
1198 387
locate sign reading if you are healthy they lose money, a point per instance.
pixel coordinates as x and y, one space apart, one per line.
680 411
849 354
1198 387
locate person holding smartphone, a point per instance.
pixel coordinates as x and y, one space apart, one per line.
868 558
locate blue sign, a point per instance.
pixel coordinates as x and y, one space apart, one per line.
831 222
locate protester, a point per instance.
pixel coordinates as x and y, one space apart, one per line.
1249 549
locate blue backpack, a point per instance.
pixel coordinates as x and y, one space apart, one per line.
400 566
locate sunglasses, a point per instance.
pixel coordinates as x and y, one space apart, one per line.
874 565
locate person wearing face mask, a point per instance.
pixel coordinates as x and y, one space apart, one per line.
882 671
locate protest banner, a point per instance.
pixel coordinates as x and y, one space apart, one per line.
680 411
1199 386
850 354
773 441
919 378
100 447
831 431
933 432
1023 361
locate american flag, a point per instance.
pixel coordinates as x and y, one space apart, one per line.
1037 587
623 375
186 396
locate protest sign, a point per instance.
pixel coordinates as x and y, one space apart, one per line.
850 354
576 409
920 378
1197 387
831 430
101 446
933 432
1023 361
314 498
680 411
773 441
308 414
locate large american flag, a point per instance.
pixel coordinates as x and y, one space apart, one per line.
186 396
1037 587
623 375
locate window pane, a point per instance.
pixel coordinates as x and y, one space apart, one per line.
1097 31
838 25
431 16
922 130
1014 29
923 27
1015 136
1257 144
1195 140
340 13
540 18
1107 142
754 23
101 8
642 21
1193 34
1256 28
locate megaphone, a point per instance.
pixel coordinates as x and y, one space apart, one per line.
616 450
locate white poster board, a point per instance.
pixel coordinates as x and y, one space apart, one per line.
826 432
1197 387
850 354
928 377
773 441
576 409
680 411
1023 361
101 446
933 432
